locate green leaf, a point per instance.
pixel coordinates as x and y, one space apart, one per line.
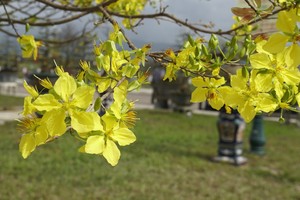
197 51
191 40
109 46
134 85
257 3
27 27
97 104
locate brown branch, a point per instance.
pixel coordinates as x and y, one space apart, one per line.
251 6
106 95
189 25
50 23
9 20
77 9
8 33
158 16
166 15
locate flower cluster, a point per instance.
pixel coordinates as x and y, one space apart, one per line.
71 105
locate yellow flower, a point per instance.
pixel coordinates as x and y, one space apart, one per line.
121 109
37 131
209 89
243 96
104 141
287 24
31 90
46 83
272 71
71 99
29 46
28 106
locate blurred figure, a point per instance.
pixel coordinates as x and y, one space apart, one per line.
156 81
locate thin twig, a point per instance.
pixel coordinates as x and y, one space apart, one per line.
251 6
10 21
112 21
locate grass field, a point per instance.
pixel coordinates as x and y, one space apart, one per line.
170 160
10 102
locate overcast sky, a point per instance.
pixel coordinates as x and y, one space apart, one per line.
166 34
204 11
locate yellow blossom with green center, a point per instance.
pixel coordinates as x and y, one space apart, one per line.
272 71
69 98
209 89
37 131
243 96
121 110
104 142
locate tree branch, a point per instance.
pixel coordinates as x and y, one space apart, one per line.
77 9
112 21
9 20
189 25
50 23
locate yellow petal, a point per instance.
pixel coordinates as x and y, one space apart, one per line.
217 82
276 43
82 149
27 145
83 96
84 122
291 77
46 102
292 57
65 86
123 136
111 153
234 99
103 84
259 46
247 111
260 61
278 88
266 103
116 109
199 95
109 121
41 135
238 82
286 21
216 102
262 82
298 99
54 121
119 95
28 107
95 144
31 90
199 82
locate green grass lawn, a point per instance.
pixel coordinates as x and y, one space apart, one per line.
170 160
10 102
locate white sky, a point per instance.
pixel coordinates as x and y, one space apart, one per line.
166 34
204 11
